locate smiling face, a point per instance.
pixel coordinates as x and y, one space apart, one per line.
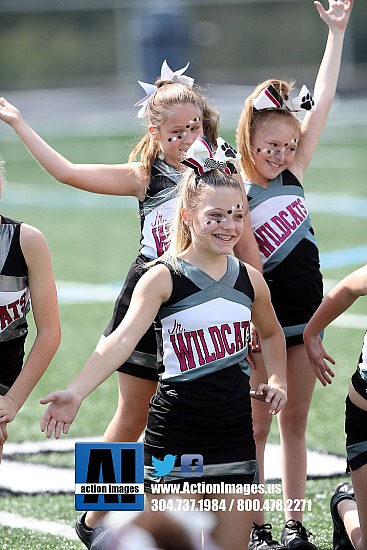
217 224
274 148
183 125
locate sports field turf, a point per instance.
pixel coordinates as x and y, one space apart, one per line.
93 240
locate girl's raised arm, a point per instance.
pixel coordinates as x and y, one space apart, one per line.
109 179
152 290
336 17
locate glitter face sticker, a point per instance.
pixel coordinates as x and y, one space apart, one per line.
210 222
288 149
179 136
190 126
223 218
237 207
193 122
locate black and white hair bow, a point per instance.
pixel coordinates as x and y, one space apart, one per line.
270 98
201 158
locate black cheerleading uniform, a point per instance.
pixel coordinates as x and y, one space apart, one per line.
355 417
156 215
14 301
288 250
202 404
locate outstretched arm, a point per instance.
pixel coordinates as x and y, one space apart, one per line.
107 179
152 290
45 312
272 345
336 18
339 299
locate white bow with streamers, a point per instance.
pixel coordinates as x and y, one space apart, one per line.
166 74
269 98
201 158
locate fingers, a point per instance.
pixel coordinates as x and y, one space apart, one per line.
44 422
321 369
57 429
51 425
260 396
50 397
255 340
4 416
275 397
48 425
277 400
3 433
329 358
326 375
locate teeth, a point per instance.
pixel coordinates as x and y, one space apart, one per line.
223 238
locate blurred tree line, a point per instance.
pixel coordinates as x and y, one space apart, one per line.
49 43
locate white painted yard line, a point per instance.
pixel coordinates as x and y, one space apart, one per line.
14 521
45 445
19 477
24 477
72 292
76 293
349 320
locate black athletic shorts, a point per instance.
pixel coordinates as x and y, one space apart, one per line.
294 304
143 361
11 359
356 432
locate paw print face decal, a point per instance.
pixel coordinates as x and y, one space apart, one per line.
307 102
228 150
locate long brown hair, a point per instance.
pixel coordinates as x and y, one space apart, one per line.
169 95
252 120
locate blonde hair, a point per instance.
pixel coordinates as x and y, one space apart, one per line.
191 193
167 96
252 120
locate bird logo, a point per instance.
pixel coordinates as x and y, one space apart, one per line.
163 467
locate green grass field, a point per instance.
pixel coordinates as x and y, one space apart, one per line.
93 239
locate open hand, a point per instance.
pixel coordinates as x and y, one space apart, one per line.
9 113
318 357
337 16
63 408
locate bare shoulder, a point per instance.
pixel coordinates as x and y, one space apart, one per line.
157 279
253 273
257 280
135 172
30 234
32 241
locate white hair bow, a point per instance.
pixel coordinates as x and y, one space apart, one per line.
201 158
269 98
166 74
